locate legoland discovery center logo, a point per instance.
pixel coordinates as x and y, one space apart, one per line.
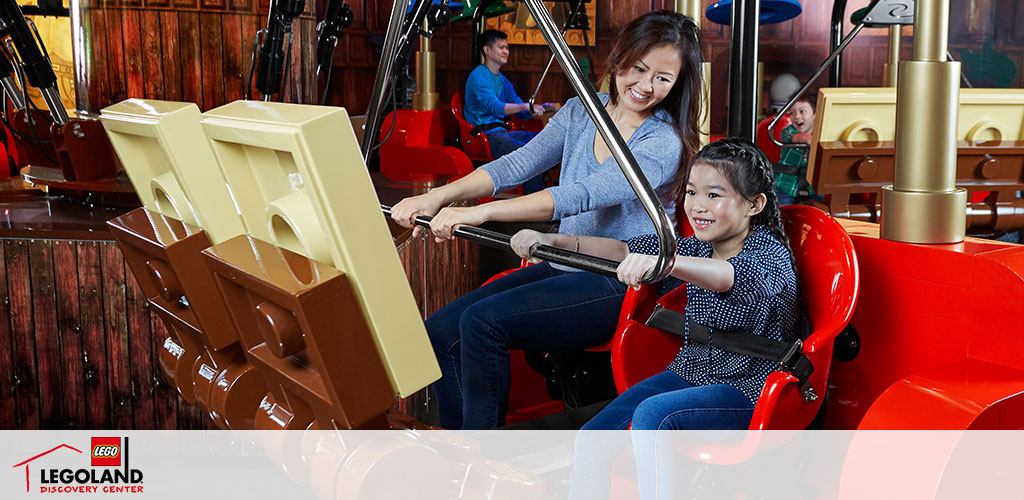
108 471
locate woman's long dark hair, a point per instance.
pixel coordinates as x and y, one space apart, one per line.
683 103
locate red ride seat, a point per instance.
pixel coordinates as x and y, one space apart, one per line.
761 135
474 141
829 279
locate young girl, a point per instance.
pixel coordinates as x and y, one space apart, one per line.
655 105
740 275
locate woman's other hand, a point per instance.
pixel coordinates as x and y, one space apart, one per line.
448 219
525 241
634 267
404 213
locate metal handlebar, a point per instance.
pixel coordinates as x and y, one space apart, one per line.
568 23
807 85
548 253
623 156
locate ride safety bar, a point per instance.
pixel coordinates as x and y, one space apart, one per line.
623 156
501 241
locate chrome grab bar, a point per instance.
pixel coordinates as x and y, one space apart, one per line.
623 156
382 83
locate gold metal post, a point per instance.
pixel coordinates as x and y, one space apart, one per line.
924 205
890 70
693 10
426 96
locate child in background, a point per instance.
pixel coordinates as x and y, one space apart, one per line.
791 171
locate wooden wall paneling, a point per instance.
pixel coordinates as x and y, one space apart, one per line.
133 53
171 52
307 45
69 330
115 319
250 25
154 85
212 71
116 64
191 58
8 395
411 254
241 6
233 56
23 337
1017 27
44 320
94 341
142 364
98 65
165 396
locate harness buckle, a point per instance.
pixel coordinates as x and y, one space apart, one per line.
791 356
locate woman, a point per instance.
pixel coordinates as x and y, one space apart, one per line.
655 104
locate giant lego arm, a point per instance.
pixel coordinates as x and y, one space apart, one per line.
269 58
34 61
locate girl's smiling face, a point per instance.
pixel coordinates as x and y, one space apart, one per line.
649 80
717 212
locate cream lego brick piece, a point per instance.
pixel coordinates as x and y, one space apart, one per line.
991 115
171 165
869 114
300 183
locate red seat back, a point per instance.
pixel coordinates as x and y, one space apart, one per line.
476 146
829 279
774 152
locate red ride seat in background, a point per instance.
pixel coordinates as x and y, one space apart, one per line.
774 152
474 141
829 279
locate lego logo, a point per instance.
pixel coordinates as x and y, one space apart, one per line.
105 451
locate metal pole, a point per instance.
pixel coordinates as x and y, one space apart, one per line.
623 156
836 34
742 63
383 80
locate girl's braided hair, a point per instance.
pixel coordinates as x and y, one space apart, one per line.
750 173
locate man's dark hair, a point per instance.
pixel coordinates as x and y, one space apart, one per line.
488 37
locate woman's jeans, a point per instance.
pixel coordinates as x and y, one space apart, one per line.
538 308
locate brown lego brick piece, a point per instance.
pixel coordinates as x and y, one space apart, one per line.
202 357
301 325
845 169
84 151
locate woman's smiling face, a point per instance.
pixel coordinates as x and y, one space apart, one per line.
649 80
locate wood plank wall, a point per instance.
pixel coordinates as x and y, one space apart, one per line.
183 50
797 46
78 344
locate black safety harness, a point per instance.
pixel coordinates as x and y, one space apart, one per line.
789 355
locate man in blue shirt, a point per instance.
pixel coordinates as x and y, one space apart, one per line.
490 97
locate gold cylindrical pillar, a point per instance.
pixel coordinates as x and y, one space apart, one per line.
931 30
426 96
692 9
891 69
924 205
